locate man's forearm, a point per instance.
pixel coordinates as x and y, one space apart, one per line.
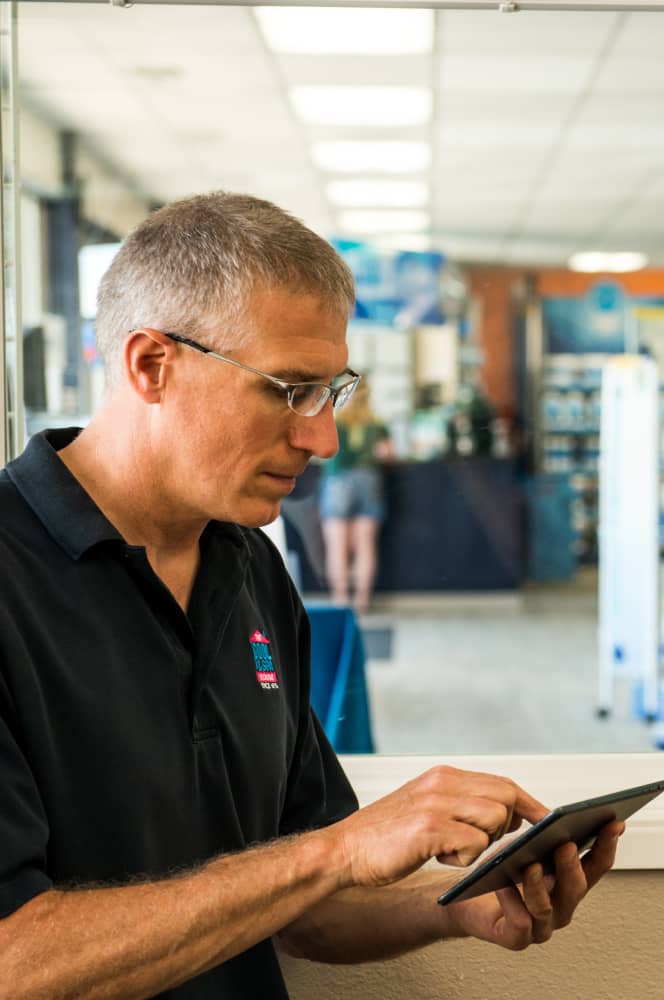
136 941
367 925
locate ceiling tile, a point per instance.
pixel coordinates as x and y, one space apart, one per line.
394 70
181 98
501 72
560 216
541 31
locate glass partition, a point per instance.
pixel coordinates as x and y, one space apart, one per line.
459 160
11 360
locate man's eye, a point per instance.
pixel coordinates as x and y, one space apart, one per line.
274 390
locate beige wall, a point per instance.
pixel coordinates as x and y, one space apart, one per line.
612 951
108 200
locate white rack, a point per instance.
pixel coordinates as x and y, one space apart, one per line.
629 529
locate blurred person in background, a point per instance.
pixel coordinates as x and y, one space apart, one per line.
352 502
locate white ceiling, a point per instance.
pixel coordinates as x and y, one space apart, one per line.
547 133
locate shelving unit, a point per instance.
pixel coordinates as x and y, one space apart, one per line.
569 413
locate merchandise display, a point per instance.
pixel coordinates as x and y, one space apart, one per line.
570 408
570 415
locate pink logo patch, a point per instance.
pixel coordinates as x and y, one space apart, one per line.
266 675
259 637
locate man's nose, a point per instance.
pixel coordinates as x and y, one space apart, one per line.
317 435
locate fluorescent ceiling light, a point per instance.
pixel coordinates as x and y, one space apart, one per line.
617 263
347 105
374 193
335 30
372 157
384 221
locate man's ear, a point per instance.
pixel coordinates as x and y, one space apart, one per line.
147 357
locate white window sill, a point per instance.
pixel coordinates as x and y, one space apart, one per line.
553 778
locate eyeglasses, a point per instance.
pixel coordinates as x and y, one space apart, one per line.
304 398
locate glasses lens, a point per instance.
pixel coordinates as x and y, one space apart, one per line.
345 394
309 399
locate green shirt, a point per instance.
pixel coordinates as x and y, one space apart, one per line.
357 447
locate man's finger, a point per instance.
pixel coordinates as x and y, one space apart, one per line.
486 814
512 822
537 900
494 787
515 930
571 884
603 854
464 843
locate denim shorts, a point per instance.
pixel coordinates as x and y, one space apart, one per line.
352 493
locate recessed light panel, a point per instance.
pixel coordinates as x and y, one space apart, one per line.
343 31
370 222
366 106
384 193
372 157
594 261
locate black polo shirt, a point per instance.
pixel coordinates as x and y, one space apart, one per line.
136 740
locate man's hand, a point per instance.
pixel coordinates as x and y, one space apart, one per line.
359 924
516 919
445 813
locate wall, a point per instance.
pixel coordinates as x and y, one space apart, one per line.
612 950
560 283
39 150
108 200
493 290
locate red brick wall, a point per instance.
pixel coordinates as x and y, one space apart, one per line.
493 288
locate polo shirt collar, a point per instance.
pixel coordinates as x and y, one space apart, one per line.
68 513
66 510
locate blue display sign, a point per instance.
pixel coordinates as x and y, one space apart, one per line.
400 288
594 324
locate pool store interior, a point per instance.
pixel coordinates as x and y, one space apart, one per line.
493 181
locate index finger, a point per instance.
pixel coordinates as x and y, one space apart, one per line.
498 788
528 808
522 804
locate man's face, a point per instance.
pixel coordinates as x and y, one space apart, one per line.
238 446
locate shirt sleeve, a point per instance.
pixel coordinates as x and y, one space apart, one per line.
318 791
23 824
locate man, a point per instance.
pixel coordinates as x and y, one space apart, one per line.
170 805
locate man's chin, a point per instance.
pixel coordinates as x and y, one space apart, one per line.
262 519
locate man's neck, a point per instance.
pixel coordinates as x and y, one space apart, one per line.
129 486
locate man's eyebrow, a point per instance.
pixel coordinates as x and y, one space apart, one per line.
297 375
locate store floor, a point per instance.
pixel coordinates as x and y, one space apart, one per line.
493 674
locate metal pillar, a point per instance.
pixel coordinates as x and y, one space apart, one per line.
11 333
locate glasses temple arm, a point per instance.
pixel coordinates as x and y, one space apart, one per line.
189 343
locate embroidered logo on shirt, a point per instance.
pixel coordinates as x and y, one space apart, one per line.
266 675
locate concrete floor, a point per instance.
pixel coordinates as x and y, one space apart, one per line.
495 674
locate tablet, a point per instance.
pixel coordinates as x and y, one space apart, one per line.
579 821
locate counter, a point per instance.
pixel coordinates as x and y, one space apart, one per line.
452 525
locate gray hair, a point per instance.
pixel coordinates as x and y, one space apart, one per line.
192 265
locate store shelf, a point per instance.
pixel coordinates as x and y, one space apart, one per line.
579 431
569 422
569 415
